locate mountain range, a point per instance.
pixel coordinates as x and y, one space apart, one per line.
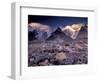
42 35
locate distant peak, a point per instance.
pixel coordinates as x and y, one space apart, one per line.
58 29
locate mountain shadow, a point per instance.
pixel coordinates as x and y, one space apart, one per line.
32 35
58 34
83 34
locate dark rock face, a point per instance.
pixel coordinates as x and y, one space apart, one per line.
32 35
58 49
58 34
36 34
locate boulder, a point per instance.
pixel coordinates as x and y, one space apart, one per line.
44 63
60 56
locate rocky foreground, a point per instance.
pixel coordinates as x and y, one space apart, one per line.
54 53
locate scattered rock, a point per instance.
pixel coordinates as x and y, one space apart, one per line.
69 49
44 63
31 59
60 56
78 46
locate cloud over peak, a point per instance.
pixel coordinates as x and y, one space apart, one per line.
39 26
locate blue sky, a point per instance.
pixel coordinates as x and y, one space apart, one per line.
56 21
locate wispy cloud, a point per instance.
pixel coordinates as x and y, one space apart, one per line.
39 26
